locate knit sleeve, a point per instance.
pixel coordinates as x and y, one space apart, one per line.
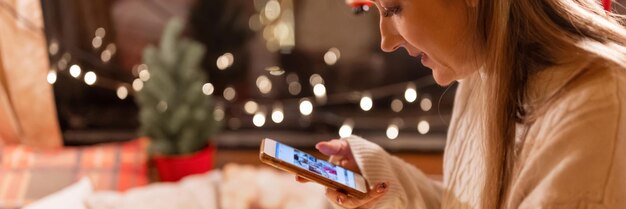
408 186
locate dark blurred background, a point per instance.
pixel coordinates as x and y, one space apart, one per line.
269 54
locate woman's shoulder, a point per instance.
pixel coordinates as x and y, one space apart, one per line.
598 86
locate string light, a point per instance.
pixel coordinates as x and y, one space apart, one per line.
306 107
392 131
277 114
346 129
410 94
90 78
294 88
319 90
207 89
218 113
423 127
122 92
106 55
426 104
396 105
316 79
144 75
225 61
53 48
292 77
250 107
96 42
366 102
137 84
331 56
264 84
100 32
162 106
275 70
229 93
259 119
75 71
272 10
111 48
52 76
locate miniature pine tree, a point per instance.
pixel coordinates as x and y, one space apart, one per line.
174 113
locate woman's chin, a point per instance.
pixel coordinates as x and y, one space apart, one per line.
442 80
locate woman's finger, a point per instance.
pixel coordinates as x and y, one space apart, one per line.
301 179
332 147
353 202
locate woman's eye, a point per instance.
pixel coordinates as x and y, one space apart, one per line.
389 11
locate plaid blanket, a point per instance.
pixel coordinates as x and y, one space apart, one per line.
27 175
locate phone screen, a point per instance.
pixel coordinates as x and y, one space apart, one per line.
317 166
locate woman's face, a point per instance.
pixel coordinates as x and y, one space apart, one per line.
439 30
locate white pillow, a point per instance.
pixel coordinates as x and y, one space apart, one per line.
71 197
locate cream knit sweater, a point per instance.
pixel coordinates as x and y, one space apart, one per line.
573 156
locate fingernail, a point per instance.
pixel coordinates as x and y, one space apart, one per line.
340 199
381 187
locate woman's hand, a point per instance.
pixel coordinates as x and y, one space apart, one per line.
341 154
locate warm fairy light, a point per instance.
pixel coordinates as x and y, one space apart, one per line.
218 113
366 103
111 48
144 75
306 107
426 104
319 90
105 56
410 94
392 131
137 84
75 71
275 70
255 23
396 105
272 10
423 127
346 129
162 106
259 119
277 114
208 89
264 84
331 56
90 78
100 32
53 48
251 107
316 79
294 88
292 77
96 42
229 93
122 92
52 77
225 61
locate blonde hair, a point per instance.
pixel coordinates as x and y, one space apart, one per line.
520 37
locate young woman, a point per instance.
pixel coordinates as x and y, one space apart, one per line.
539 119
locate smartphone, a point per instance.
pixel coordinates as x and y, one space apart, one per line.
305 165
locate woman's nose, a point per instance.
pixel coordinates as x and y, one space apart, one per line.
390 39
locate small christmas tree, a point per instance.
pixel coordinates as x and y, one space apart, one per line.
174 112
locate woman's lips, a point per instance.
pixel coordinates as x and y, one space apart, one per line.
425 60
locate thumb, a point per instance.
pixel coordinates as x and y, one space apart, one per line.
332 147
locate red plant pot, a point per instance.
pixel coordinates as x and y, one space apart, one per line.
174 168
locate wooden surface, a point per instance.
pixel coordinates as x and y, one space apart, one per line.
429 163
